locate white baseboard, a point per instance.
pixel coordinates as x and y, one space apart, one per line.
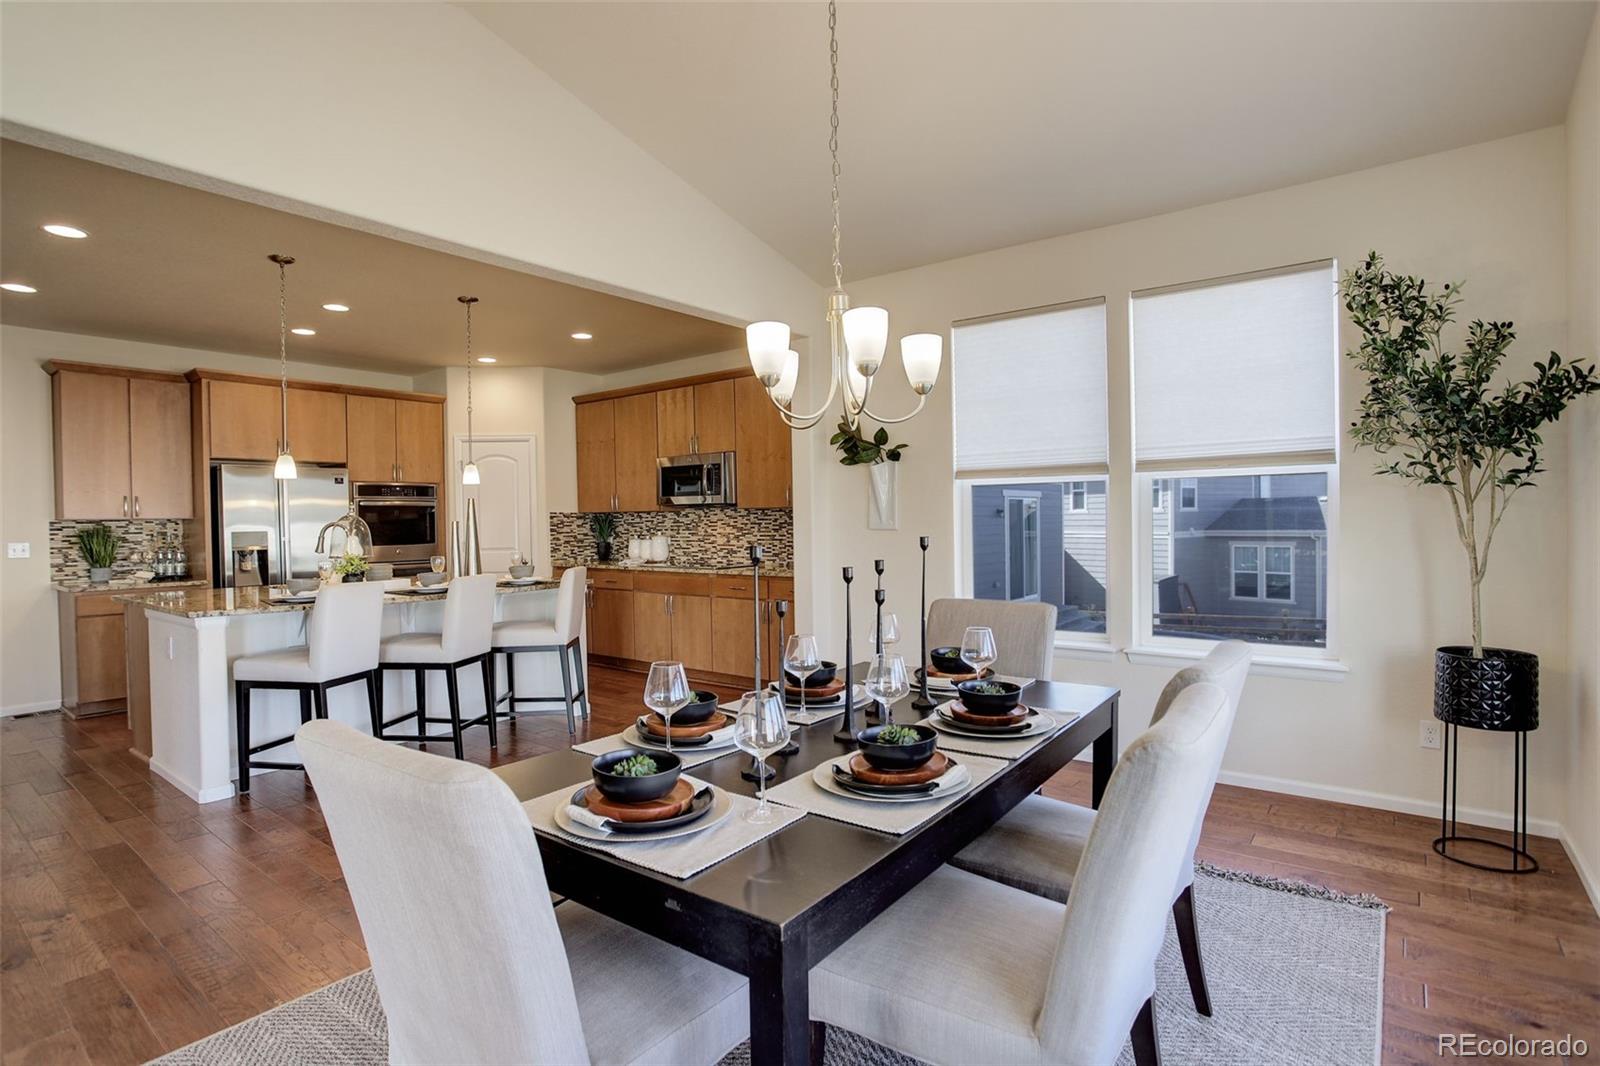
30 708
1383 801
1591 882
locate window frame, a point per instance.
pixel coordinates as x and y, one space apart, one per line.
1260 548
1188 484
1007 497
1075 487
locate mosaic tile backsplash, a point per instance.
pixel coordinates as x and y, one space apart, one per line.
139 538
705 536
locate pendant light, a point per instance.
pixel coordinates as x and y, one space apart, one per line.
283 469
469 472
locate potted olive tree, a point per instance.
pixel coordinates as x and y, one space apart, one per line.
1432 414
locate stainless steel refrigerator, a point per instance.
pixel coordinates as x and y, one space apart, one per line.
264 531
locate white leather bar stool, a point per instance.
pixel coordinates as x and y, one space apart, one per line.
468 627
562 636
342 633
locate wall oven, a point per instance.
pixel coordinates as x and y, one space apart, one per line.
404 520
696 480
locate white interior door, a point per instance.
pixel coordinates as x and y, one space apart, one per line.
504 495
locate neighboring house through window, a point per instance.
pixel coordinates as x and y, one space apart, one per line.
1263 572
1077 495
1023 543
1188 494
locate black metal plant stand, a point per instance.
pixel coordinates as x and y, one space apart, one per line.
922 702
1522 862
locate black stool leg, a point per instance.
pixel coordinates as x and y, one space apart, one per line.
511 687
322 701
422 706
566 690
1146 1045
305 706
455 708
583 678
486 667
377 720
1189 944
374 702
241 711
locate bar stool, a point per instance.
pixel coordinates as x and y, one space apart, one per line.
342 633
563 636
468 627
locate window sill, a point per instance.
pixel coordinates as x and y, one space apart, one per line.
1261 665
1084 649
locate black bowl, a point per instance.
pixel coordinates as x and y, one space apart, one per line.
989 702
822 677
697 710
635 789
949 661
897 756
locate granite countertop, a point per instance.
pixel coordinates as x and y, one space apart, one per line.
767 570
224 603
125 584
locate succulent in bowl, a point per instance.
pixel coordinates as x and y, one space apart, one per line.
990 697
631 776
887 747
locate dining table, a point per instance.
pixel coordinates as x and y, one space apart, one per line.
782 905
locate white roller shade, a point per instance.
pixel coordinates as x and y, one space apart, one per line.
1237 369
1030 392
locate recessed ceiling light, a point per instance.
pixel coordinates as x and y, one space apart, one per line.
485 358
583 336
72 232
335 307
303 332
17 286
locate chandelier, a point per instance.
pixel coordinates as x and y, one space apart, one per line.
857 336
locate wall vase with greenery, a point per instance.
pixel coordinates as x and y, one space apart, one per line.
1435 417
879 457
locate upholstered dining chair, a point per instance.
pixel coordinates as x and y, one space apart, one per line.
343 628
963 969
563 636
1024 633
464 640
506 977
1038 846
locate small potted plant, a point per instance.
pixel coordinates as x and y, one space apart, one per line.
98 545
352 565
603 526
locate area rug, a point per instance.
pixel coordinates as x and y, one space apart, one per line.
1295 971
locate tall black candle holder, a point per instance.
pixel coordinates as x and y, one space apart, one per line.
878 596
922 702
758 770
874 710
781 607
847 729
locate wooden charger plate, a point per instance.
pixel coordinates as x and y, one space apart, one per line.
655 727
956 679
671 805
862 770
820 692
994 721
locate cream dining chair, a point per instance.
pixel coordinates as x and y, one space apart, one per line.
963 969
506 978
1038 846
1024 633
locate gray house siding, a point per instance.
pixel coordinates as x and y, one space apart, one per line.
989 541
1083 545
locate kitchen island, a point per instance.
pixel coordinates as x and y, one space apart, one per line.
195 634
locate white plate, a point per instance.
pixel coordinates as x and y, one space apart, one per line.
423 590
721 807
954 782
1039 726
298 597
519 580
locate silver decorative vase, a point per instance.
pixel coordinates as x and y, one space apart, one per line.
471 555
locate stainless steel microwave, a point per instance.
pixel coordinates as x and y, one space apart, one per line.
696 480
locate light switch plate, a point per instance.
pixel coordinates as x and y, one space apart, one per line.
19 549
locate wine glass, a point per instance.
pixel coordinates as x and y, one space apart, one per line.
760 729
436 563
324 570
665 691
887 681
977 648
889 630
801 659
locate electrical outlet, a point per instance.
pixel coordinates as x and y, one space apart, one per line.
1430 733
19 549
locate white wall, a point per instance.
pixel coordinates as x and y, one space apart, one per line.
1583 339
1492 214
30 670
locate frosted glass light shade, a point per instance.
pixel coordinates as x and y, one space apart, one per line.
783 391
855 387
469 474
768 343
921 353
284 469
866 335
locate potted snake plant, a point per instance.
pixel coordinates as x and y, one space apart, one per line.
98 545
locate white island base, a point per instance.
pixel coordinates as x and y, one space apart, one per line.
195 635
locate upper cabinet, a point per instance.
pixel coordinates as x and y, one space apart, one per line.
621 434
419 441
394 440
246 420
369 431
317 426
122 447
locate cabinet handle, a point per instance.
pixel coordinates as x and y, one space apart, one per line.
669 604
124 507
136 506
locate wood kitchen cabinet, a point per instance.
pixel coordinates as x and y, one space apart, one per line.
692 419
734 620
317 426
762 448
94 677
246 420
652 627
597 455
122 443
419 441
394 440
637 480
611 623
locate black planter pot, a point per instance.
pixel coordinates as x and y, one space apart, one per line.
1498 692
602 551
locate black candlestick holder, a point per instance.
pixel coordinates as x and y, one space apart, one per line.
922 702
758 770
781 607
847 729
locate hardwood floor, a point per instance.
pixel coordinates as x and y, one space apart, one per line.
133 921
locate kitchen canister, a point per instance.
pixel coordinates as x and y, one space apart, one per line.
659 549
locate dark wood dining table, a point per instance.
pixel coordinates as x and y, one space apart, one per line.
777 908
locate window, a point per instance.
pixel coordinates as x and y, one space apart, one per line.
1030 416
1234 403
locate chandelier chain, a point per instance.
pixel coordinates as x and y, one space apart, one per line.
833 134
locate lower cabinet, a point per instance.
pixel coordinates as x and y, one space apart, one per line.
94 677
611 623
652 627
